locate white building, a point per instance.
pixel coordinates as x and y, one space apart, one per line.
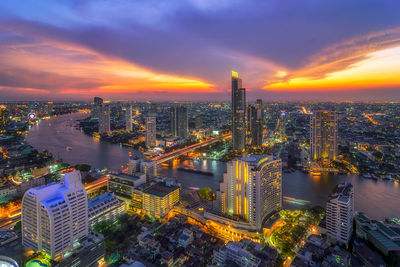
339 213
151 130
55 215
105 207
104 120
128 118
235 252
251 188
138 166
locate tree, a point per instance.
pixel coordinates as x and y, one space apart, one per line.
206 193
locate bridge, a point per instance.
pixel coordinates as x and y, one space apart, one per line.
179 152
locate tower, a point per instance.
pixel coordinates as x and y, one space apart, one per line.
151 129
238 113
323 136
97 102
128 118
179 121
104 119
252 188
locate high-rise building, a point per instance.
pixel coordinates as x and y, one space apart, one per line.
3 117
179 121
238 113
251 188
104 119
255 122
128 118
55 215
96 107
339 213
151 130
280 131
105 207
198 122
323 136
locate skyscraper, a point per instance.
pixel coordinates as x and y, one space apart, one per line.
238 113
323 139
255 122
339 213
252 188
198 122
179 121
55 215
104 119
3 117
151 130
96 108
128 118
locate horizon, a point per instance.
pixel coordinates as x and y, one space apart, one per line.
305 51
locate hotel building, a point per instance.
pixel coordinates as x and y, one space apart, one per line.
55 215
159 198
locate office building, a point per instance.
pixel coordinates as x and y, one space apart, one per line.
280 130
198 122
123 185
255 123
55 215
104 119
179 121
323 139
339 213
128 118
138 166
151 130
251 189
105 207
159 198
97 103
238 113
3 117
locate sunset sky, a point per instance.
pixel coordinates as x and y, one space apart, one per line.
185 50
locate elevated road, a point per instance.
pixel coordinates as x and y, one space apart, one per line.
174 154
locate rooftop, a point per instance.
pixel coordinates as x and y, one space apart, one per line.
160 189
126 176
92 202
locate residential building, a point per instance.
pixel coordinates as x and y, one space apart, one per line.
198 122
123 185
159 198
104 119
255 122
179 121
55 215
339 213
238 113
105 207
237 253
138 166
97 103
251 188
323 136
151 131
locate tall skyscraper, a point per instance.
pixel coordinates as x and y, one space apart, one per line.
96 107
151 130
3 117
179 121
198 122
128 118
238 113
323 139
251 188
104 119
55 215
255 122
339 213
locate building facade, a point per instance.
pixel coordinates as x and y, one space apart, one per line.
324 134
339 213
179 121
55 215
251 189
97 103
238 113
104 119
255 124
151 131
105 207
159 198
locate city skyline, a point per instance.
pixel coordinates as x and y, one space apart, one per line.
183 51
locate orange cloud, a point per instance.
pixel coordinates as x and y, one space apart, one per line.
367 62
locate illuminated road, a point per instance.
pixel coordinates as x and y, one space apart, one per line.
182 151
15 217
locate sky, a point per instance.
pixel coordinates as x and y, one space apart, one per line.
162 50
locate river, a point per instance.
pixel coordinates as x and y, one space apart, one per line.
378 199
